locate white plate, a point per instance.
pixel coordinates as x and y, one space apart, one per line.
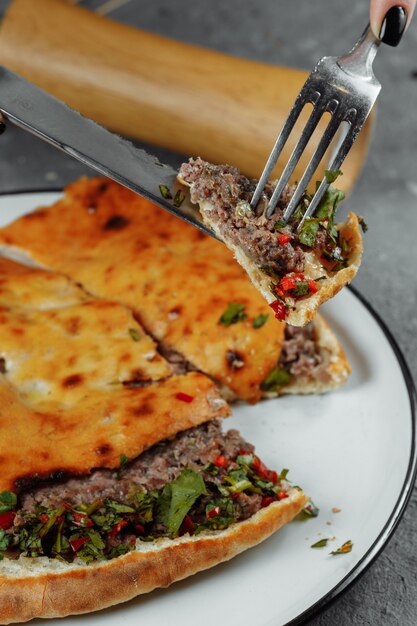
353 449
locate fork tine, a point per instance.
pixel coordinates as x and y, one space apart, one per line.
313 164
298 106
337 161
305 136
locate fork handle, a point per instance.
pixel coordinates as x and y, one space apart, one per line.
189 99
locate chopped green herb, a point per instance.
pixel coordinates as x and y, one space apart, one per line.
277 377
363 224
124 462
118 507
302 288
178 497
179 198
260 320
165 192
344 549
320 544
308 232
331 175
316 280
134 334
329 203
283 473
234 313
280 224
8 501
4 542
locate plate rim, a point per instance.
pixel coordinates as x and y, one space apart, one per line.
404 496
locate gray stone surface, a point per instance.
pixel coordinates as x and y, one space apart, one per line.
298 33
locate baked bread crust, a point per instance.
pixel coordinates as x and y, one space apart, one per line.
52 589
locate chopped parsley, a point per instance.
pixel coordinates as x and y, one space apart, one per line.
179 198
134 334
165 192
308 232
332 175
8 501
178 497
260 320
320 544
277 377
234 313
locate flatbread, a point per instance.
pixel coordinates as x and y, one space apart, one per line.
177 280
81 383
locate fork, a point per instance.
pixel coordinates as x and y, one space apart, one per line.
346 88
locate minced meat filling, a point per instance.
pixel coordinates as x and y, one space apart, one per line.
230 193
299 354
202 479
151 470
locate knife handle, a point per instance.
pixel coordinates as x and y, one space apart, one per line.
190 99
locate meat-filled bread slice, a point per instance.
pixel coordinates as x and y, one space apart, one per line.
295 270
184 505
92 541
184 286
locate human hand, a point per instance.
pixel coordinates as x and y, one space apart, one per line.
390 19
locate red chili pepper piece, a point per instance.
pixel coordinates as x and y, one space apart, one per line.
59 519
221 461
312 285
243 452
140 529
80 519
7 519
283 239
266 501
117 528
213 512
281 495
273 476
187 526
279 309
78 542
44 518
184 397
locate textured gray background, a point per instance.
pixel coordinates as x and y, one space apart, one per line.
298 33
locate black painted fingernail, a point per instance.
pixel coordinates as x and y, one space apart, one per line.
2 127
393 26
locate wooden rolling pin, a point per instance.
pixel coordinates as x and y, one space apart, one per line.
190 99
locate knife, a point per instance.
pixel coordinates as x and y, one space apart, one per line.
46 117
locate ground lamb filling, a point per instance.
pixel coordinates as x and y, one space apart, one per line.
230 193
202 479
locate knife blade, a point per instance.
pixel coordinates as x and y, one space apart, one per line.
32 109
